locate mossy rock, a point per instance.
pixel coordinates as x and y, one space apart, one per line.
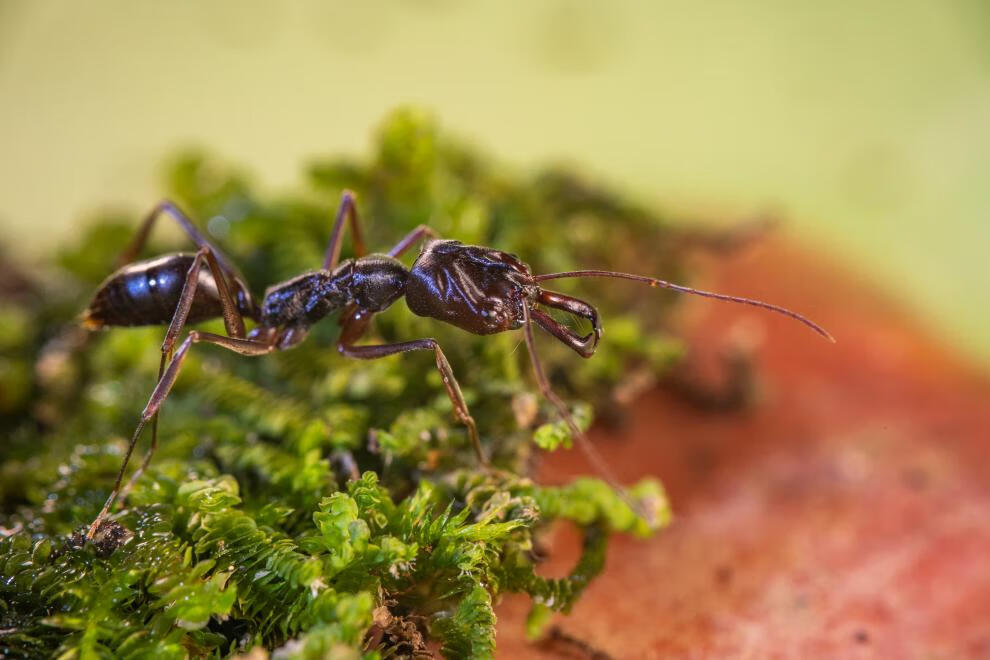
249 532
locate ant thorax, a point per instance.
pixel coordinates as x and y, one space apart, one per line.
306 298
372 283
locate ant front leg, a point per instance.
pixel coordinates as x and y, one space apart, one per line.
348 210
544 384
235 328
354 326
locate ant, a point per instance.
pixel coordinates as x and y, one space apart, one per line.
478 289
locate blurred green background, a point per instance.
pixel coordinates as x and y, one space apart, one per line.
865 124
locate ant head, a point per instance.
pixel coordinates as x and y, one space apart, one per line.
485 291
475 288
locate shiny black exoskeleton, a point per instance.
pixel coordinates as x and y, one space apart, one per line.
370 283
478 289
147 293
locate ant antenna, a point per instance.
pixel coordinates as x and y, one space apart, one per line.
654 282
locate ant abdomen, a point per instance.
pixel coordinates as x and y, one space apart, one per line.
147 293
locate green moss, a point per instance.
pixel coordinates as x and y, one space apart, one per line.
247 531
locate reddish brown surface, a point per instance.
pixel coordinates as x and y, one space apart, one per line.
847 515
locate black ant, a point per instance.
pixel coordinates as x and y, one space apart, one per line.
478 289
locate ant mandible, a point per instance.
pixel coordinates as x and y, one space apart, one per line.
478 289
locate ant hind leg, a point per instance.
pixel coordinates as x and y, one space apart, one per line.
170 209
249 347
235 328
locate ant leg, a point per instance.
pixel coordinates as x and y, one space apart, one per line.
411 239
233 322
146 461
449 382
232 319
544 384
169 208
243 346
355 328
347 209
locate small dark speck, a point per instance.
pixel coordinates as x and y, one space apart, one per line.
723 576
980 648
861 636
915 479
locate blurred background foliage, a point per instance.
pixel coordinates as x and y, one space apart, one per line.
864 124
